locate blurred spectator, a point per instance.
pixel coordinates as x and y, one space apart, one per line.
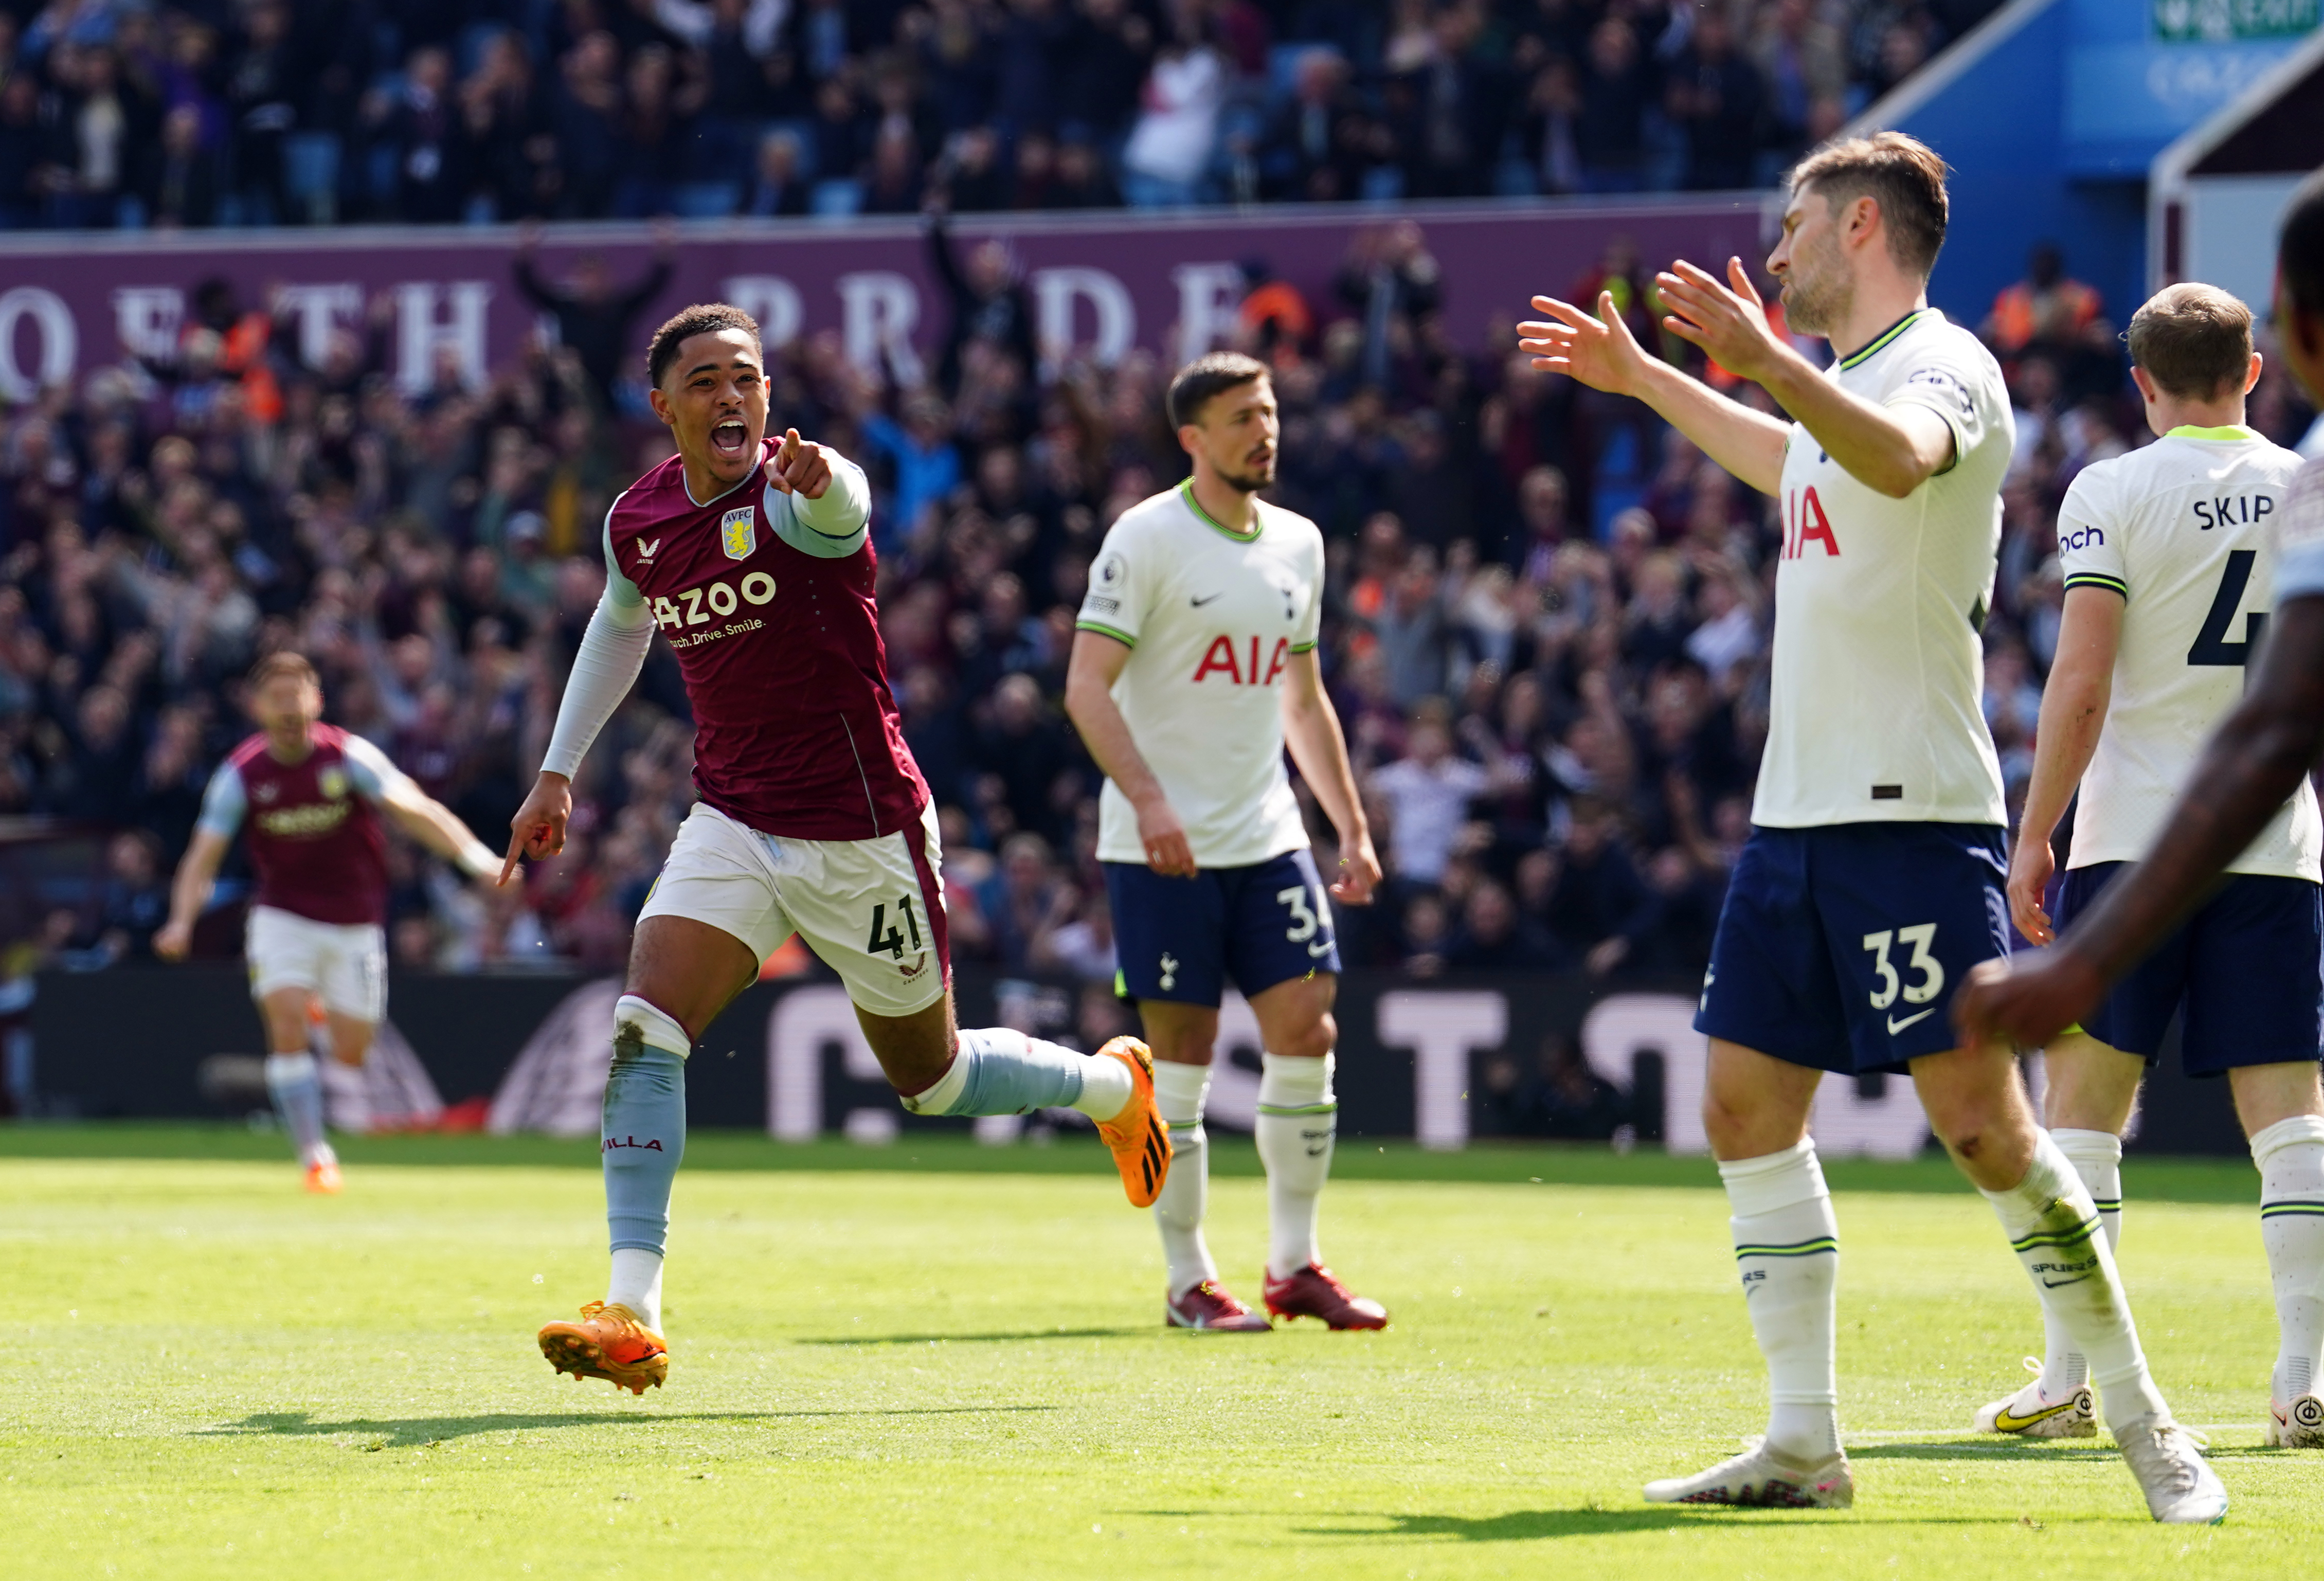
594 319
1169 153
1427 794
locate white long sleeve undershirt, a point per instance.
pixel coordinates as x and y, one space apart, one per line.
613 650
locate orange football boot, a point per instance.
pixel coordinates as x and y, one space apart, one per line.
1138 1135
608 1343
323 1180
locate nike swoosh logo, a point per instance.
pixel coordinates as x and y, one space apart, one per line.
2003 1422
1895 1026
1213 598
2052 1284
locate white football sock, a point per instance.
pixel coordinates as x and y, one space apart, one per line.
1787 1251
2097 1158
1180 1091
2053 1227
636 1283
1107 1085
1298 1123
2290 1154
295 1083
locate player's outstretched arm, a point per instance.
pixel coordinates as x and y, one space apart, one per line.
1890 449
1601 353
189 892
439 828
2252 764
830 498
613 649
2073 712
1095 665
1311 729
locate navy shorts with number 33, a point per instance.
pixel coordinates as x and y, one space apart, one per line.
1181 939
1840 948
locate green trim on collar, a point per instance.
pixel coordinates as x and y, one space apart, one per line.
1881 340
2232 432
1186 493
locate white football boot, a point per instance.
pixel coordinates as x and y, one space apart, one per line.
1763 1477
2297 1425
2031 1414
2181 1488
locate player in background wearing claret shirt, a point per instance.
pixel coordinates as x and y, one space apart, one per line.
1871 883
753 557
304 793
2260 756
2169 555
1194 666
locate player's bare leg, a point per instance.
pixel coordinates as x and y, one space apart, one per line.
295 1083
682 974
1980 1110
2091 1090
1183 1037
2283 1111
938 1068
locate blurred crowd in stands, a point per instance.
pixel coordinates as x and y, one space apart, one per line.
1546 630
197 113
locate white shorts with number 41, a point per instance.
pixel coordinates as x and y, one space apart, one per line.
871 909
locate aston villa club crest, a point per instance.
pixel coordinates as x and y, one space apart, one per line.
738 530
332 782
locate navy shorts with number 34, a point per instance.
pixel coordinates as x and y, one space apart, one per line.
1181 939
1840 948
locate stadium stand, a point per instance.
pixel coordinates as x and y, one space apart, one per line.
1556 727
263 112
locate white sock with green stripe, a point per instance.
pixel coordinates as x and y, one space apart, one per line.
2097 1158
1298 1121
1180 1092
1787 1252
2290 1154
2052 1224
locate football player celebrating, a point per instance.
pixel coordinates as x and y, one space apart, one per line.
2257 761
307 795
1194 666
751 557
1872 880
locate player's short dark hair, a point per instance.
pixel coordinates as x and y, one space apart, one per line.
1903 174
1211 375
2193 340
701 318
284 661
2299 249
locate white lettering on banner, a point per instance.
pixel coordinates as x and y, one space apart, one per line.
319 309
1210 302
772 299
423 328
1055 291
878 308
1845 1122
1442 1027
60 338
146 320
802 1025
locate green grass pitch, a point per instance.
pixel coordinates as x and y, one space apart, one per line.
953 1367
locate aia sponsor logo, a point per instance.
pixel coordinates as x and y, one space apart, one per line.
1222 659
1805 523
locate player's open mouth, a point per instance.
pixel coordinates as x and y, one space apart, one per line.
730 438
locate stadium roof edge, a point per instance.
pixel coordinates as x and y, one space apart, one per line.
1956 61
2173 164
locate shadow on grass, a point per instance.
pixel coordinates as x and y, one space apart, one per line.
1539 1525
407 1432
849 1340
2046 1450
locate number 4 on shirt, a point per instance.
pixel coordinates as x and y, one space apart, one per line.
2211 644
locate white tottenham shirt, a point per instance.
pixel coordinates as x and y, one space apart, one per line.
1876 709
2183 530
2299 537
1212 619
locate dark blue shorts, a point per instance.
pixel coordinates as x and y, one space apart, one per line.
2248 968
1840 948
1181 939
